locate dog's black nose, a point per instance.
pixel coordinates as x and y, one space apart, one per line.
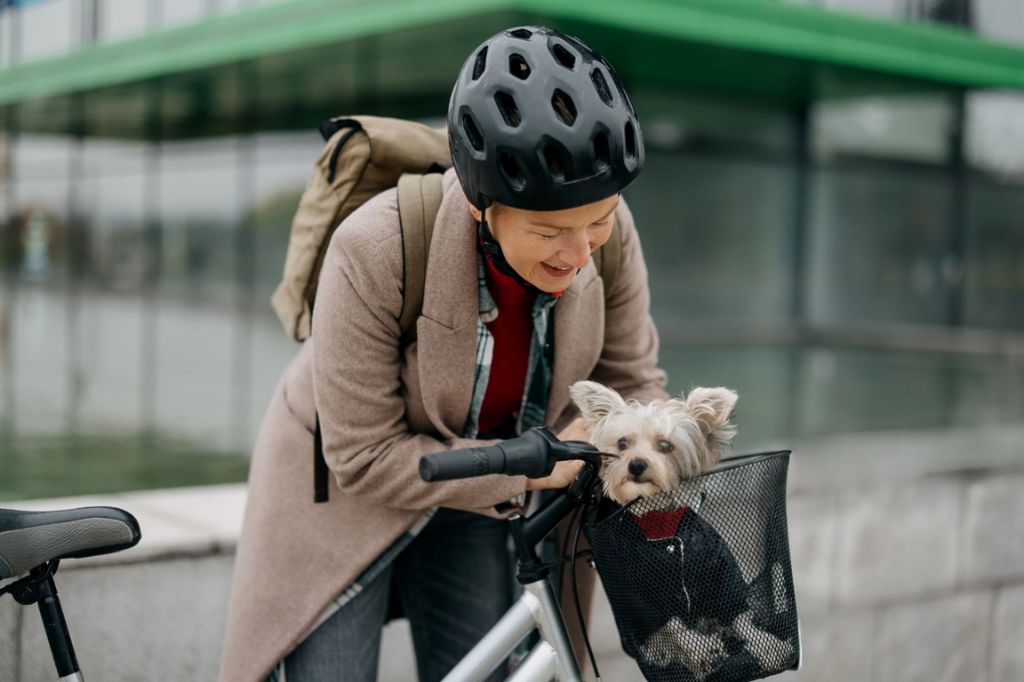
637 466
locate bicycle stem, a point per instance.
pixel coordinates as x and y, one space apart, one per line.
528 532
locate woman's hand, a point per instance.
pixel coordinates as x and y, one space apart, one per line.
564 473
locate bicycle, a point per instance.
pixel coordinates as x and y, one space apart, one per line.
36 542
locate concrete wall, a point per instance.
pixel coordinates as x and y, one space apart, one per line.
913 582
896 582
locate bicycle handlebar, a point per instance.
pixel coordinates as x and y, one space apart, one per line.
532 454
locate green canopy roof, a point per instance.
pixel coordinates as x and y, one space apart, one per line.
283 60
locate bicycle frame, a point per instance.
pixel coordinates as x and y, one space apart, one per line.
553 656
38 588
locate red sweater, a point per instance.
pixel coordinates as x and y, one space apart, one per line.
512 331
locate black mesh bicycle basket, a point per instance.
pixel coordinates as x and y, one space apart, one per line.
699 578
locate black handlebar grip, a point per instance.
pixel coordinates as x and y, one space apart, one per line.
530 454
444 466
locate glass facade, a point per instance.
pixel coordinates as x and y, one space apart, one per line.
879 247
957 12
999 19
118 19
139 260
47 29
994 280
182 12
137 279
715 206
40 29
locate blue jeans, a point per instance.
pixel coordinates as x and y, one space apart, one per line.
453 582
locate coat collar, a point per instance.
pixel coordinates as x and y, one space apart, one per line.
579 337
447 328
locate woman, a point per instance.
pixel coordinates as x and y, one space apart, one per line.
543 140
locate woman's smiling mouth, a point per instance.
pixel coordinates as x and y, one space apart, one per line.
558 272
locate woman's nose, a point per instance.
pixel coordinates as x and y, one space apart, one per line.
578 253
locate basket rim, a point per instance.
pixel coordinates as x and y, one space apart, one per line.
724 464
736 461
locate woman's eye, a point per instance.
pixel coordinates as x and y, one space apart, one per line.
665 447
623 443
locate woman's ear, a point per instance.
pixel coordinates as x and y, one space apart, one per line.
594 400
474 210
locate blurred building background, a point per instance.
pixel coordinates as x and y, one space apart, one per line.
831 213
832 189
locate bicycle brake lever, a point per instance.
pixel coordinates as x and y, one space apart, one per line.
577 449
581 486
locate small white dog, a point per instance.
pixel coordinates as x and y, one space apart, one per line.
652 448
659 444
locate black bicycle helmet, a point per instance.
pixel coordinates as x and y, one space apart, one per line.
537 120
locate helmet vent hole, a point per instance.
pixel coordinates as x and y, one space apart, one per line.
630 134
509 111
518 66
512 171
555 160
564 107
563 56
601 85
602 152
521 33
472 132
480 64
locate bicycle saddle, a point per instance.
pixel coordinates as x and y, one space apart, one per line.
30 539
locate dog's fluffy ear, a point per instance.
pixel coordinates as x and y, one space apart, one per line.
712 408
594 400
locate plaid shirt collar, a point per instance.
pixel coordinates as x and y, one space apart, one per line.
538 372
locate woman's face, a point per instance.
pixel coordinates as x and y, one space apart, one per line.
546 248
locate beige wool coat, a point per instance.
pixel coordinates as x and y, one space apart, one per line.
382 405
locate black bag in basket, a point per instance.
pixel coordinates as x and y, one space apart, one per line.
699 578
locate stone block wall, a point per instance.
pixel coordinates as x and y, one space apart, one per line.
917 581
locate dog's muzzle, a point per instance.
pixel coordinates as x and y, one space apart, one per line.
637 467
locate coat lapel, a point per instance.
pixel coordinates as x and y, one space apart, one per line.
446 330
579 337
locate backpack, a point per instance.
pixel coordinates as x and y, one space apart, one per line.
363 156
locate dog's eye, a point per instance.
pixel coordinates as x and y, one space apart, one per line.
665 447
623 443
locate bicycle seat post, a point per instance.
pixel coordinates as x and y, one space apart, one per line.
39 588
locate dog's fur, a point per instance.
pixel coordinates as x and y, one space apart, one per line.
670 441
653 448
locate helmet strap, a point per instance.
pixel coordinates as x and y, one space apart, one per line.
492 252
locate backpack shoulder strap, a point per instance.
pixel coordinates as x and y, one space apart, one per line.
608 258
419 198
